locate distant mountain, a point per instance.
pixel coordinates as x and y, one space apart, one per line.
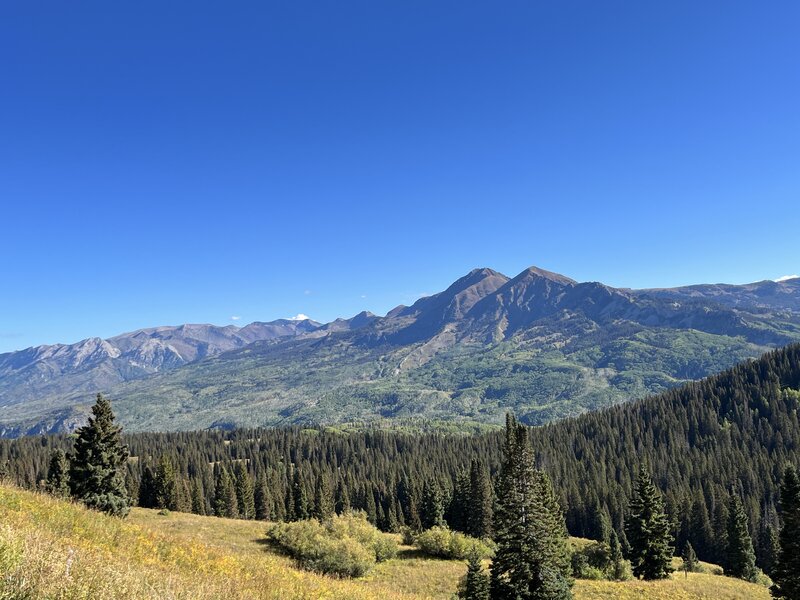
540 343
37 375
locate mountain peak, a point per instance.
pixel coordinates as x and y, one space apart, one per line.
536 272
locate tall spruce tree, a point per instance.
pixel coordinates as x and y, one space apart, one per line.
432 509
786 574
97 465
479 505
740 558
225 502
167 493
648 530
299 498
263 499
531 561
323 499
244 492
57 482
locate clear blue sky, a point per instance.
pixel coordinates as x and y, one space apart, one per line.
166 162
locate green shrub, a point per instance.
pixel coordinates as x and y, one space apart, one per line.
595 562
346 545
444 543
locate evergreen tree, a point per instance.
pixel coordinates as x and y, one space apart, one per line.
619 572
198 498
370 507
299 498
342 504
58 474
97 466
225 502
475 584
407 497
458 508
432 510
323 499
689 557
244 493
263 500
648 531
786 574
740 557
531 560
166 491
479 511
147 488
768 548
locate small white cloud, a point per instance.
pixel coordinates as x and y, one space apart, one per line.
363 295
300 317
307 292
786 278
235 318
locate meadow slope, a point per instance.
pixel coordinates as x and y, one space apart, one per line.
55 549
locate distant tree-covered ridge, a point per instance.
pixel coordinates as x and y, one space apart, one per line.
735 431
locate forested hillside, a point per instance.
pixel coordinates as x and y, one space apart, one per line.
733 431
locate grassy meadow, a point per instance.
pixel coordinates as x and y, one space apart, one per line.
55 549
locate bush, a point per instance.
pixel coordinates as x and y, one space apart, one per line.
595 562
346 545
444 543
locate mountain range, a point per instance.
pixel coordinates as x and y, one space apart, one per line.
539 343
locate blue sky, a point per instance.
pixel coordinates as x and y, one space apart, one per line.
176 162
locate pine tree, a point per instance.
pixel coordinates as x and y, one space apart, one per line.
740 558
619 571
147 488
648 531
263 500
58 474
369 504
299 498
786 574
244 493
225 502
475 584
531 560
689 557
198 498
97 466
342 504
479 511
323 499
768 548
166 485
458 509
432 510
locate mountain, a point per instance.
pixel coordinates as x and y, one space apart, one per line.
539 343
45 372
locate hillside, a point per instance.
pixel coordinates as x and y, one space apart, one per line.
50 548
737 428
539 343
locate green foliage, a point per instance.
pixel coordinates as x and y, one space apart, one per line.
432 509
442 542
57 482
96 475
475 583
599 560
740 557
531 559
786 574
346 545
244 493
689 563
225 502
648 531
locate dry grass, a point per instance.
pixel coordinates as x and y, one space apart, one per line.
58 550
